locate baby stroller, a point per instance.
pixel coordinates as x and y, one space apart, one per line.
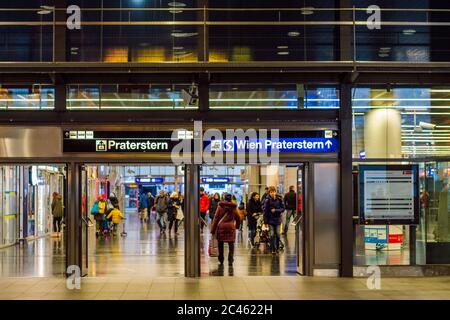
262 233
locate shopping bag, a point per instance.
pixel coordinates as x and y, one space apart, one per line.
213 249
180 215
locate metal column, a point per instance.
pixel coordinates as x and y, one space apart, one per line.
59 35
346 180
73 217
191 221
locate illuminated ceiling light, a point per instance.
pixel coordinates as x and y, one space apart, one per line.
283 53
283 47
175 11
385 49
178 48
307 10
179 34
176 4
383 55
293 34
409 32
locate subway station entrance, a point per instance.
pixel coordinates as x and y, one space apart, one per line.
137 245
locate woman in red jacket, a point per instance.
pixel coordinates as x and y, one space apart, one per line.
226 221
204 207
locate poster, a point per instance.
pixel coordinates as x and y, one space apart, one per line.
389 194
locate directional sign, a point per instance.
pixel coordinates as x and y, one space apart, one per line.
281 145
215 180
149 180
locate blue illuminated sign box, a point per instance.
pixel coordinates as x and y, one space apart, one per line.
283 145
149 180
215 180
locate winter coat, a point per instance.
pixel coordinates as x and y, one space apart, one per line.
57 207
161 204
171 209
226 230
204 203
213 207
270 217
290 200
253 208
116 215
143 201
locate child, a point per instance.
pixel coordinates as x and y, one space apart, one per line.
117 217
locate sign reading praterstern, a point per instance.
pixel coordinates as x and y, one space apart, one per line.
121 141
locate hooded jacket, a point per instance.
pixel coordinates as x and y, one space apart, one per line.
226 229
204 203
57 207
270 217
253 207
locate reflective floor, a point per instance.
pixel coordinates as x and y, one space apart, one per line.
144 252
42 257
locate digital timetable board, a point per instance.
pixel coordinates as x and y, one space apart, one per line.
389 194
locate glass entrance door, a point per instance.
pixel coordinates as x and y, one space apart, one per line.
435 198
299 222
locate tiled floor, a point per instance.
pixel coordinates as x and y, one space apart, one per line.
223 288
144 252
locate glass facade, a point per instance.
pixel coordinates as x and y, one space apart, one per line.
246 97
34 97
129 97
401 122
227 31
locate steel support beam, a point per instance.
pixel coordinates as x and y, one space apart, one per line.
59 31
191 221
73 217
346 183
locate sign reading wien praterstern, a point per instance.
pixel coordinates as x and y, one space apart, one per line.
320 141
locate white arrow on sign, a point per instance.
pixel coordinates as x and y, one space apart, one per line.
328 144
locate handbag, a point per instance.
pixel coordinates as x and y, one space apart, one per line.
180 215
213 248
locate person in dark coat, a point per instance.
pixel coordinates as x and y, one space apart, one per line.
226 222
273 209
172 207
290 203
214 203
254 210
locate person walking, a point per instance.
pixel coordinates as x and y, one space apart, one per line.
290 204
273 208
204 207
57 212
98 211
226 222
254 211
161 203
143 207
151 205
116 217
214 203
172 207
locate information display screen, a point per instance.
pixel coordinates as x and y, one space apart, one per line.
389 194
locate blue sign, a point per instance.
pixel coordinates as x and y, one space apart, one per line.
283 145
149 180
215 180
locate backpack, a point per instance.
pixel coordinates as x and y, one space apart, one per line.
101 207
95 209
